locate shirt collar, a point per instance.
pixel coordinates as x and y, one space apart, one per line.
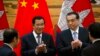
9 45
35 35
95 40
77 30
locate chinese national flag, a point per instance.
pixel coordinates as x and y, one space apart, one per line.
3 21
27 9
82 7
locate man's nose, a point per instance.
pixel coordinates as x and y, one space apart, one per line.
70 23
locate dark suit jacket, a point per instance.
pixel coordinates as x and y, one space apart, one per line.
29 45
63 42
6 51
92 50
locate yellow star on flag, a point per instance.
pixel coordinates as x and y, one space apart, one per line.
23 3
35 5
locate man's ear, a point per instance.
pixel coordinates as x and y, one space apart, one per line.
15 39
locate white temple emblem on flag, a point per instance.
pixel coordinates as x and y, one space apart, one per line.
66 8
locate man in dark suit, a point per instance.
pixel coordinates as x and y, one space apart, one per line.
10 41
70 42
38 43
94 35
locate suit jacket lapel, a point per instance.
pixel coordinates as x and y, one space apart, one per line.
43 37
33 40
70 34
80 33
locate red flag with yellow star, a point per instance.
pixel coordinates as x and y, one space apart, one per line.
27 9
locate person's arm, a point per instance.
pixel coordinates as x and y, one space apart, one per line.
61 45
85 38
51 50
24 49
86 43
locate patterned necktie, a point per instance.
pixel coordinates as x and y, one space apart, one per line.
75 35
39 39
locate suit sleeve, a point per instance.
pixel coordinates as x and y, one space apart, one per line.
24 49
86 40
62 47
51 50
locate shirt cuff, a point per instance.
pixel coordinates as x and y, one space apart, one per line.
45 51
36 52
80 44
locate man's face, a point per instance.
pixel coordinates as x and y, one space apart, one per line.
39 26
72 21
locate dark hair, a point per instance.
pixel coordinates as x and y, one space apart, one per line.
9 35
73 13
94 30
37 18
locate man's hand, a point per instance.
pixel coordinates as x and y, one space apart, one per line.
76 44
41 48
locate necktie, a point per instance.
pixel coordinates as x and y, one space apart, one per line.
75 35
39 40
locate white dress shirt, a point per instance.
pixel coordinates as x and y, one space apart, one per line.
35 36
77 31
77 35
